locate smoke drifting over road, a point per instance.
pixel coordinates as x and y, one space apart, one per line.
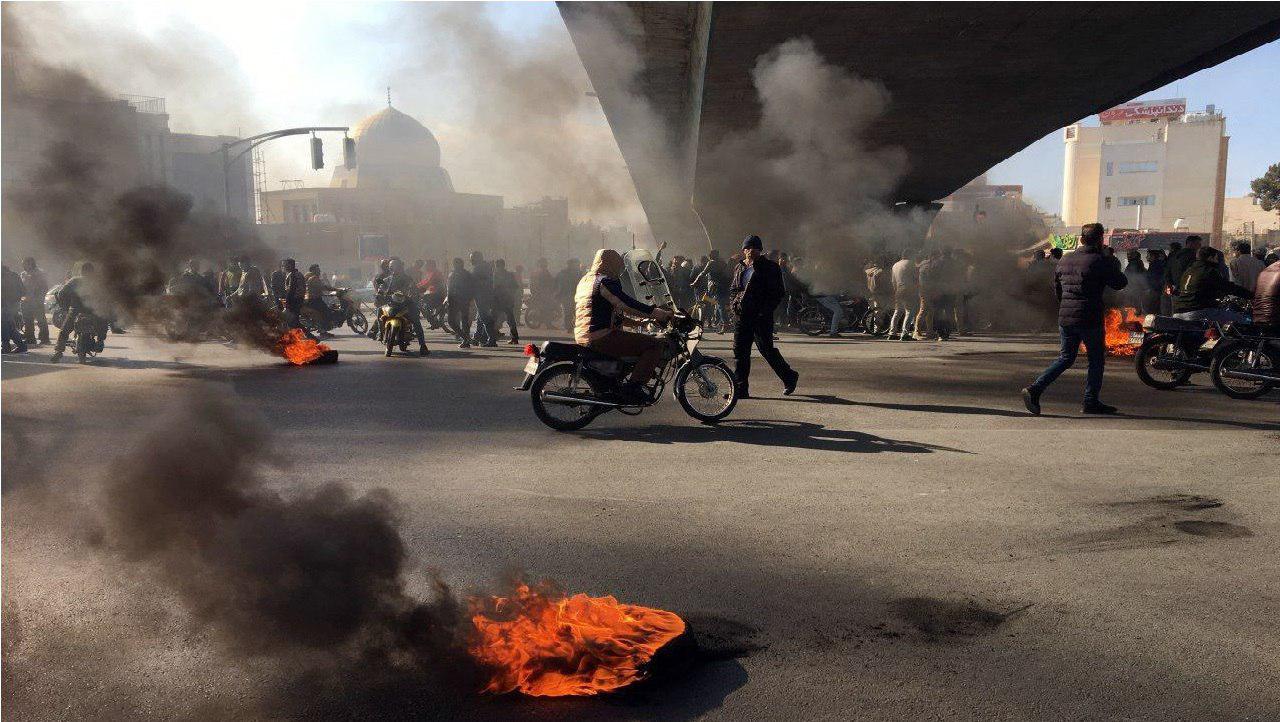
318 571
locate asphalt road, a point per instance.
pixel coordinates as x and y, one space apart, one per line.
899 540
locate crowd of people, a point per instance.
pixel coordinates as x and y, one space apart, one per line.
923 295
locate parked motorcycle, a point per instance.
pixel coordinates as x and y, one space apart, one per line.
342 309
815 320
397 326
1246 362
571 385
1173 349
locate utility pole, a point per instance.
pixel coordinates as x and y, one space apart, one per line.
253 142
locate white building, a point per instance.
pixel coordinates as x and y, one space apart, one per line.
1149 165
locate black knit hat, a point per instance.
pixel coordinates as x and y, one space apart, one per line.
752 242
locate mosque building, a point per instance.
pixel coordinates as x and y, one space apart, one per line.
398 200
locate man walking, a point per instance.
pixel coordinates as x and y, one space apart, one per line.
1243 266
1079 281
754 293
35 286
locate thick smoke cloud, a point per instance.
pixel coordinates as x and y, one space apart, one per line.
807 180
272 574
78 204
804 177
530 128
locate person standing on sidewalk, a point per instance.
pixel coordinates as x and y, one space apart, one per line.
1079 281
755 292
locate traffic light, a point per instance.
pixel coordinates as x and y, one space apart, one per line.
349 152
317 153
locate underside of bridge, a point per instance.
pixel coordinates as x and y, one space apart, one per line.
970 83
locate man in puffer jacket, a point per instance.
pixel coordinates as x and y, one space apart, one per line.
1079 281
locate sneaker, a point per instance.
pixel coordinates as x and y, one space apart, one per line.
490 344
632 393
1031 400
424 351
1098 407
743 393
790 387
513 342
56 357
464 344
906 337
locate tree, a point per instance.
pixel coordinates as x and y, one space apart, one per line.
1267 189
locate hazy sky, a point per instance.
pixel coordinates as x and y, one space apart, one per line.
282 64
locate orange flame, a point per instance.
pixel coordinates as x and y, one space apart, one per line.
1117 324
300 350
546 645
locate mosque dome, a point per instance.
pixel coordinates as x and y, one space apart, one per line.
394 151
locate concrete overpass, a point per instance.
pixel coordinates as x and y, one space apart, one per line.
971 83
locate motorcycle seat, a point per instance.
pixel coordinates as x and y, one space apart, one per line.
557 349
1170 324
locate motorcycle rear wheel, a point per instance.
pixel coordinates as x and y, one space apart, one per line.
1149 352
812 322
1235 356
561 417
707 391
532 318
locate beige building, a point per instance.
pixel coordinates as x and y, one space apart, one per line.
1244 220
1149 165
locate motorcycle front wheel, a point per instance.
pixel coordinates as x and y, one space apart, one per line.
532 318
1149 355
707 390
558 379
389 334
1241 357
358 323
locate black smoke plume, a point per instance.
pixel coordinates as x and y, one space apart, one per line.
81 201
273 574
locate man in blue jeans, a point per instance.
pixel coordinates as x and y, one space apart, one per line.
1079 281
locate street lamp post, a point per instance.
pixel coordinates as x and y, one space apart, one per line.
253 142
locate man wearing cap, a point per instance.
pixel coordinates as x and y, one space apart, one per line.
756 290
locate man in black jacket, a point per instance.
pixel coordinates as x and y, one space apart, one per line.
756 291
1079 281
1202 287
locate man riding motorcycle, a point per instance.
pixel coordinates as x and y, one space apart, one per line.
1200 289
313 297
399 280
601 307
72 298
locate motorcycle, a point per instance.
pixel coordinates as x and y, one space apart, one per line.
541 310
397 326
814 319
343 309
1246 362
571 385
1173 349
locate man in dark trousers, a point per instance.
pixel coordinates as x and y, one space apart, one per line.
1079 281
755 292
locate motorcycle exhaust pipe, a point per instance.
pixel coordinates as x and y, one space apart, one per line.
562 399
1247 376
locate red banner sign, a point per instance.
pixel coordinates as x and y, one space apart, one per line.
1144 110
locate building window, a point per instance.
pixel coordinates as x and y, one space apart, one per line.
1140 166
1106 203
1137 200
1109 167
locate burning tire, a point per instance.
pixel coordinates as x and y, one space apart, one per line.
558 379
1245 358
707 390
1148 362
